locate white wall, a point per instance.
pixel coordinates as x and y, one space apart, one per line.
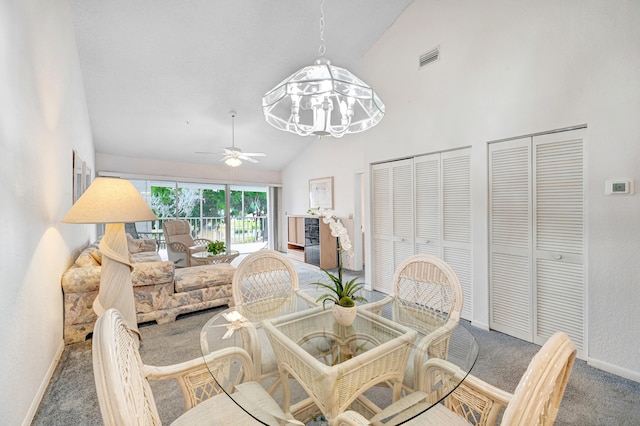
507 69
43 117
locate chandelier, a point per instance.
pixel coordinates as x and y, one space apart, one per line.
322 99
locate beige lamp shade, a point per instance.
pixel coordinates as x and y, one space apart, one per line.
110 200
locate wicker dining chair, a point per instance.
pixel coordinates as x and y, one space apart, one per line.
535 401
427 296
125 397
180 244
264 285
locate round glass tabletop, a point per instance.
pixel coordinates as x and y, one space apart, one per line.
316 369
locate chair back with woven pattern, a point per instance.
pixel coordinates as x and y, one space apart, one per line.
537 397
427 288
123 391
262 275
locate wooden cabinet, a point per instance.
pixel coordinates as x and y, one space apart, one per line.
309 240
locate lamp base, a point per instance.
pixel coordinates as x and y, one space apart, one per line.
116 290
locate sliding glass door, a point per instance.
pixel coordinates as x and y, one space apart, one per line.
237 215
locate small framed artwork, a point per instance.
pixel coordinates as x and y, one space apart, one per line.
87 177
321 193
78 176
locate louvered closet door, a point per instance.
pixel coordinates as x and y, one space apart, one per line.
443 213
559 236
428 204
510 238
392 219
456 220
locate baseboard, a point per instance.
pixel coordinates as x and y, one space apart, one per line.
614 369
33 409
480 325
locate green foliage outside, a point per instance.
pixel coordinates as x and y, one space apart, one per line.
163 204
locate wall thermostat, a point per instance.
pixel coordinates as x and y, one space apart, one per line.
618 186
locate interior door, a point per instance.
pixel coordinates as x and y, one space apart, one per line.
428 204
510 237
559 236
392 219
456 220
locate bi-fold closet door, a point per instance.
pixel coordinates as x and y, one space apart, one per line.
422 205
536 236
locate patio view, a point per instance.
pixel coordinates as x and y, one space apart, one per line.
236 215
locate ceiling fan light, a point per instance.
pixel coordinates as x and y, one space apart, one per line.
232 162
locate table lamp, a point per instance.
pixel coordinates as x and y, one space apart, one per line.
113 201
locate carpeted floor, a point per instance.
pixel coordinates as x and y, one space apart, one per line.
593 397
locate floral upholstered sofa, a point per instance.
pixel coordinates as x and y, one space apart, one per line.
162 292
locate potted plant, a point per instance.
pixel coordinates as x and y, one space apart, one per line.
342 294
216 247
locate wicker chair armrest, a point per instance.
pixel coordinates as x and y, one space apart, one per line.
201 241
195 377
473 395
178 247
195 249
433 345
376 307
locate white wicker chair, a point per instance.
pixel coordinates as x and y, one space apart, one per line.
428 298
265 285
126 398
536 400
180 244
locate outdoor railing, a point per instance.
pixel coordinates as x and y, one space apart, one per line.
248 229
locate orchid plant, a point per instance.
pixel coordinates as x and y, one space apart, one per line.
341 293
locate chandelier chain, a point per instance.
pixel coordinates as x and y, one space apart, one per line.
322 49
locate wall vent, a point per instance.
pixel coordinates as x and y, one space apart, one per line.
428 57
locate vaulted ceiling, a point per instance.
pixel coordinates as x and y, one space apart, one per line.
161 76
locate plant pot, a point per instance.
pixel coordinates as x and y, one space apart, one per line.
344 316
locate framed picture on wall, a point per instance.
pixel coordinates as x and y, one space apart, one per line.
78 176
87 177
321 193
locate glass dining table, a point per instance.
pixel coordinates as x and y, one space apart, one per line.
322 369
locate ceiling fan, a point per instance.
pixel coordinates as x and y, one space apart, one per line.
232 155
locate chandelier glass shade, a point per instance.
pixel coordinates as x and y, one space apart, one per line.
322 100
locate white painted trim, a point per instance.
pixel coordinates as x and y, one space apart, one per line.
33 408
481 325
614 369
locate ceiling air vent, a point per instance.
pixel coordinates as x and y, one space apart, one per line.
428 57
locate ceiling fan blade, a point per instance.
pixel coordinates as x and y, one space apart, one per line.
254 154
242 157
